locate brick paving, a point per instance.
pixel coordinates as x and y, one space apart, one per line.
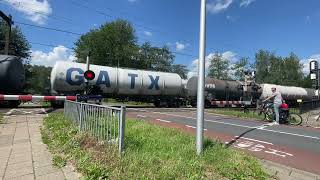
22 152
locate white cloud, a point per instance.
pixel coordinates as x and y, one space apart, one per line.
218 6
305 63
147 33
228 56
231 18
246 3
59 53
36 11
180 46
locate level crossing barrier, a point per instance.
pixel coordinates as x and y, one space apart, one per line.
35 98
105 123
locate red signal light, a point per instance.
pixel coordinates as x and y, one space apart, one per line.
89 75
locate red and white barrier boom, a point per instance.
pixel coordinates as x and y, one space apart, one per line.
230 102
35 98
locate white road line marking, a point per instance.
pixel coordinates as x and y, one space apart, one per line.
10 112
238 125
206 129
253 140
141 116
190 126
163 120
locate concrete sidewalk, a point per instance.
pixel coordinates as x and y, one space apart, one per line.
22 153
282 172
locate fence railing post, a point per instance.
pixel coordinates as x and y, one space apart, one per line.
122 125
80 117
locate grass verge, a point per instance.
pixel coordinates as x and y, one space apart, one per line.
111 100
237 113
152 152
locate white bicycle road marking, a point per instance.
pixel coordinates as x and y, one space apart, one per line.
163 120
265 142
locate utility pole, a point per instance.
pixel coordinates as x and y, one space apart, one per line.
9 21
201 80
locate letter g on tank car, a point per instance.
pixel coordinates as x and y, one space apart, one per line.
103 78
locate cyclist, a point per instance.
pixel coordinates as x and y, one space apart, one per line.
277 101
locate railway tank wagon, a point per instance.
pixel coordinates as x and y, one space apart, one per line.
288 93
222 90
216 89
12 77
151 86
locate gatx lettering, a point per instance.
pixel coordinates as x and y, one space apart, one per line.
104 79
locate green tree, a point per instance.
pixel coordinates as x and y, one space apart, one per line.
155 58
19 46
38 81
112 44
306 82
240 67
262 65
279 70
292 70
219 67
181 70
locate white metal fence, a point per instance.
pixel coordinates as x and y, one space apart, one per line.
106 123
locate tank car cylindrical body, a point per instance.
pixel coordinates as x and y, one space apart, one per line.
289 93
222 90
67 78
12 75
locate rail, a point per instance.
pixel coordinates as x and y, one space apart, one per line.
105 123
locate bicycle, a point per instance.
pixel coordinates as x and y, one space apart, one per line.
316 122
285 117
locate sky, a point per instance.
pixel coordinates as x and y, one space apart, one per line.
235 28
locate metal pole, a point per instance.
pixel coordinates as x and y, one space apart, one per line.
88 68
122 125
201 80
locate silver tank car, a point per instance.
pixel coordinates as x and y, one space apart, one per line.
216 89
67 78
289 93
12 75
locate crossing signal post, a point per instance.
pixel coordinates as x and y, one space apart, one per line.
314 76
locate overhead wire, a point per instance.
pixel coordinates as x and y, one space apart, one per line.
49 28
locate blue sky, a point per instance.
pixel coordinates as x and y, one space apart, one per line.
235 28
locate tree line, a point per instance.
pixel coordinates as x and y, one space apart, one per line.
269 67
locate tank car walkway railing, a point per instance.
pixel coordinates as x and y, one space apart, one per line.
309 105
105 123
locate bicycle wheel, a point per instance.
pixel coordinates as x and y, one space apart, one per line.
269 115
294 119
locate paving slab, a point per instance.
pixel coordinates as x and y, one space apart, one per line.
23 155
